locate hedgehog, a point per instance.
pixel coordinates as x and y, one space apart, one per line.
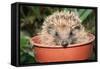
62 29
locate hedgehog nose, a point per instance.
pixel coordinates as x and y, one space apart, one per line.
64 44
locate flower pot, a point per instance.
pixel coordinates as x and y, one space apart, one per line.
74 52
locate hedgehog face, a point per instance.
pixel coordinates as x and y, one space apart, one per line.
64 34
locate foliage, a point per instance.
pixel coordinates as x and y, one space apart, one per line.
26 54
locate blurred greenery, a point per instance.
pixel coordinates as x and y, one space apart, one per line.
27 56
31 20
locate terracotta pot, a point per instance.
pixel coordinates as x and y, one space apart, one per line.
74 52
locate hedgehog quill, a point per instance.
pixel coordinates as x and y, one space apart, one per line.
63 28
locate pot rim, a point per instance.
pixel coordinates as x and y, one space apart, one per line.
58 46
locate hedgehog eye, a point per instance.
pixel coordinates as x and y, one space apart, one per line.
77 27
50 27
56 33
71 33
75 30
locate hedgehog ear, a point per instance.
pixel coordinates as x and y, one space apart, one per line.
77 27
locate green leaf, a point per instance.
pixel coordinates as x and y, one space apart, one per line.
76 12
65 10
23 41
80 12
28 50
26 58
85 15
36 11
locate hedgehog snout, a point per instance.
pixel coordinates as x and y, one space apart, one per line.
69 40
64 43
